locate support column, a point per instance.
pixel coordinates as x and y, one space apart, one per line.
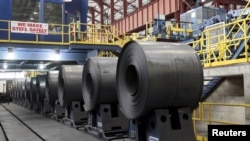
84 13
101 12
139 4
41 11
246 80
92 12
112 11
125 8
41 17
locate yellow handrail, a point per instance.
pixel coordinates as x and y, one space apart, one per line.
65 34
218 49
204 114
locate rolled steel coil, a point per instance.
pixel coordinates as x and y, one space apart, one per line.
99 82
155 75
40 88
13 89
52 87
22 89
27 88
69 84
18 88
33 90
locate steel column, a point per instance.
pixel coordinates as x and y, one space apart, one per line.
125 8
139 4
112 11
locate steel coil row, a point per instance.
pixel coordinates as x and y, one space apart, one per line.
145 76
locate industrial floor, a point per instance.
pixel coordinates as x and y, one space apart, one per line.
20 124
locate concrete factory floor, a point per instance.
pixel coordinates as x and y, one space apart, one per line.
20 124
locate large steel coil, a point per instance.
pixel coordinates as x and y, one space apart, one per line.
99 82
154 75
52 87
40 88
14 88
27 88
69 84
33 89
20 88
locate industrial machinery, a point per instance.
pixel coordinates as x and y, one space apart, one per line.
219 39
192 23
169 30
105 119
157 89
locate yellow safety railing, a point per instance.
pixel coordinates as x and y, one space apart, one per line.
218 42
97 34
59 34
206 113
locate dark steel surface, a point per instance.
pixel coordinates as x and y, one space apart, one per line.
20 88
40 88
154 75
69 84
99 82
52 87
27 88
33 89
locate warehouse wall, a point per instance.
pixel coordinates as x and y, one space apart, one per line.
2 86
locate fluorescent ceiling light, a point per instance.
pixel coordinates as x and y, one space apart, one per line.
5 66
41 66
10 54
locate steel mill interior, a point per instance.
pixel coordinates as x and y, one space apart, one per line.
122 70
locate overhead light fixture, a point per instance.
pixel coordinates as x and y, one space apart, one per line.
41 66
57 54
67 0
5 66
35 13
10 53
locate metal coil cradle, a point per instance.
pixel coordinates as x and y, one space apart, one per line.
99 82
40 88
52 87
69 84
154 75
